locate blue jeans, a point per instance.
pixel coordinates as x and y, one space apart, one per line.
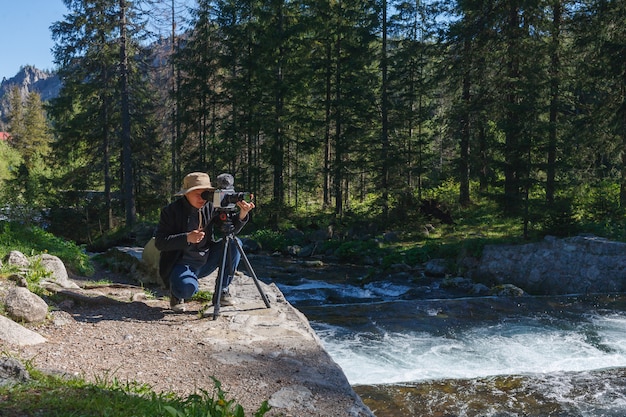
184 278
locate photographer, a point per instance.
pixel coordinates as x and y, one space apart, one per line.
188 247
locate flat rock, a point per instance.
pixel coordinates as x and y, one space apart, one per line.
12 333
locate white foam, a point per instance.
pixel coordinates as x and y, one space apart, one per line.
516 347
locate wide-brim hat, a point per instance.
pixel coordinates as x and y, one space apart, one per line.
195 181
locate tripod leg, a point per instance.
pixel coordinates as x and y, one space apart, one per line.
219 282
251 271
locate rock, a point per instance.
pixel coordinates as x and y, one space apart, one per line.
436 268
19 280
61 318
320 235
307 251
507 290
57 268
250 245
479 289
290 397
400 267
457 282
17 258
391 236
14 334
576 265
313 264
22 305
294 250
294 235
12 372
140 264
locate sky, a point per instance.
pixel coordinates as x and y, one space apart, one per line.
25 37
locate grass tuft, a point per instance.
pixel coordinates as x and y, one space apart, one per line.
53 396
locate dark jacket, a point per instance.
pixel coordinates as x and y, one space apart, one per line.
171 232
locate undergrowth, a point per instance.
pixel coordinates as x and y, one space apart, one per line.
33 240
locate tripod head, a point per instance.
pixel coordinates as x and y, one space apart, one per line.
225 219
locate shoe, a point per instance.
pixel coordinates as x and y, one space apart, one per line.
177 305
225 300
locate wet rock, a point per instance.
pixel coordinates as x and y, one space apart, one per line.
507 290
457 282
479 289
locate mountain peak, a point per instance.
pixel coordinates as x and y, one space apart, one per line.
29 79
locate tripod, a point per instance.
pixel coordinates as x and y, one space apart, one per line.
229 237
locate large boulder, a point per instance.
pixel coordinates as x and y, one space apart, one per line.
576 265
57 269
22 305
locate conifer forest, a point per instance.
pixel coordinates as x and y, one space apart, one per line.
336 105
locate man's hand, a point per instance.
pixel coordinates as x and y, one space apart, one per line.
244 208
195 236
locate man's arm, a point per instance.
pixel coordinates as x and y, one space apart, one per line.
169 235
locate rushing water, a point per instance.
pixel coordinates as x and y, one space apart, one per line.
415 351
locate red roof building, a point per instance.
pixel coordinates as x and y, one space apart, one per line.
4 136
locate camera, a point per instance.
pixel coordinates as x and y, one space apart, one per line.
225 197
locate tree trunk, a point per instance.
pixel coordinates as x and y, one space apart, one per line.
127 164
554 103
464 163
385 118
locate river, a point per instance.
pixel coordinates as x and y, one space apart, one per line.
414 349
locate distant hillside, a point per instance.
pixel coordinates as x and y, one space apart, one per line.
29 79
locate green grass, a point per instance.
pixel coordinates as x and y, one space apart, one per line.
53 396
33 240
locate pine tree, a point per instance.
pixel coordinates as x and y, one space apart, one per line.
30 137
98 55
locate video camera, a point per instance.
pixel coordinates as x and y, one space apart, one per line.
225 197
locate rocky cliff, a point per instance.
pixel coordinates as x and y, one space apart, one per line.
29 79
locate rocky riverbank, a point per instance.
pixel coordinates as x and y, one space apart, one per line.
125 331
121 331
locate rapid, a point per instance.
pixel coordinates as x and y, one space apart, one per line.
421 350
